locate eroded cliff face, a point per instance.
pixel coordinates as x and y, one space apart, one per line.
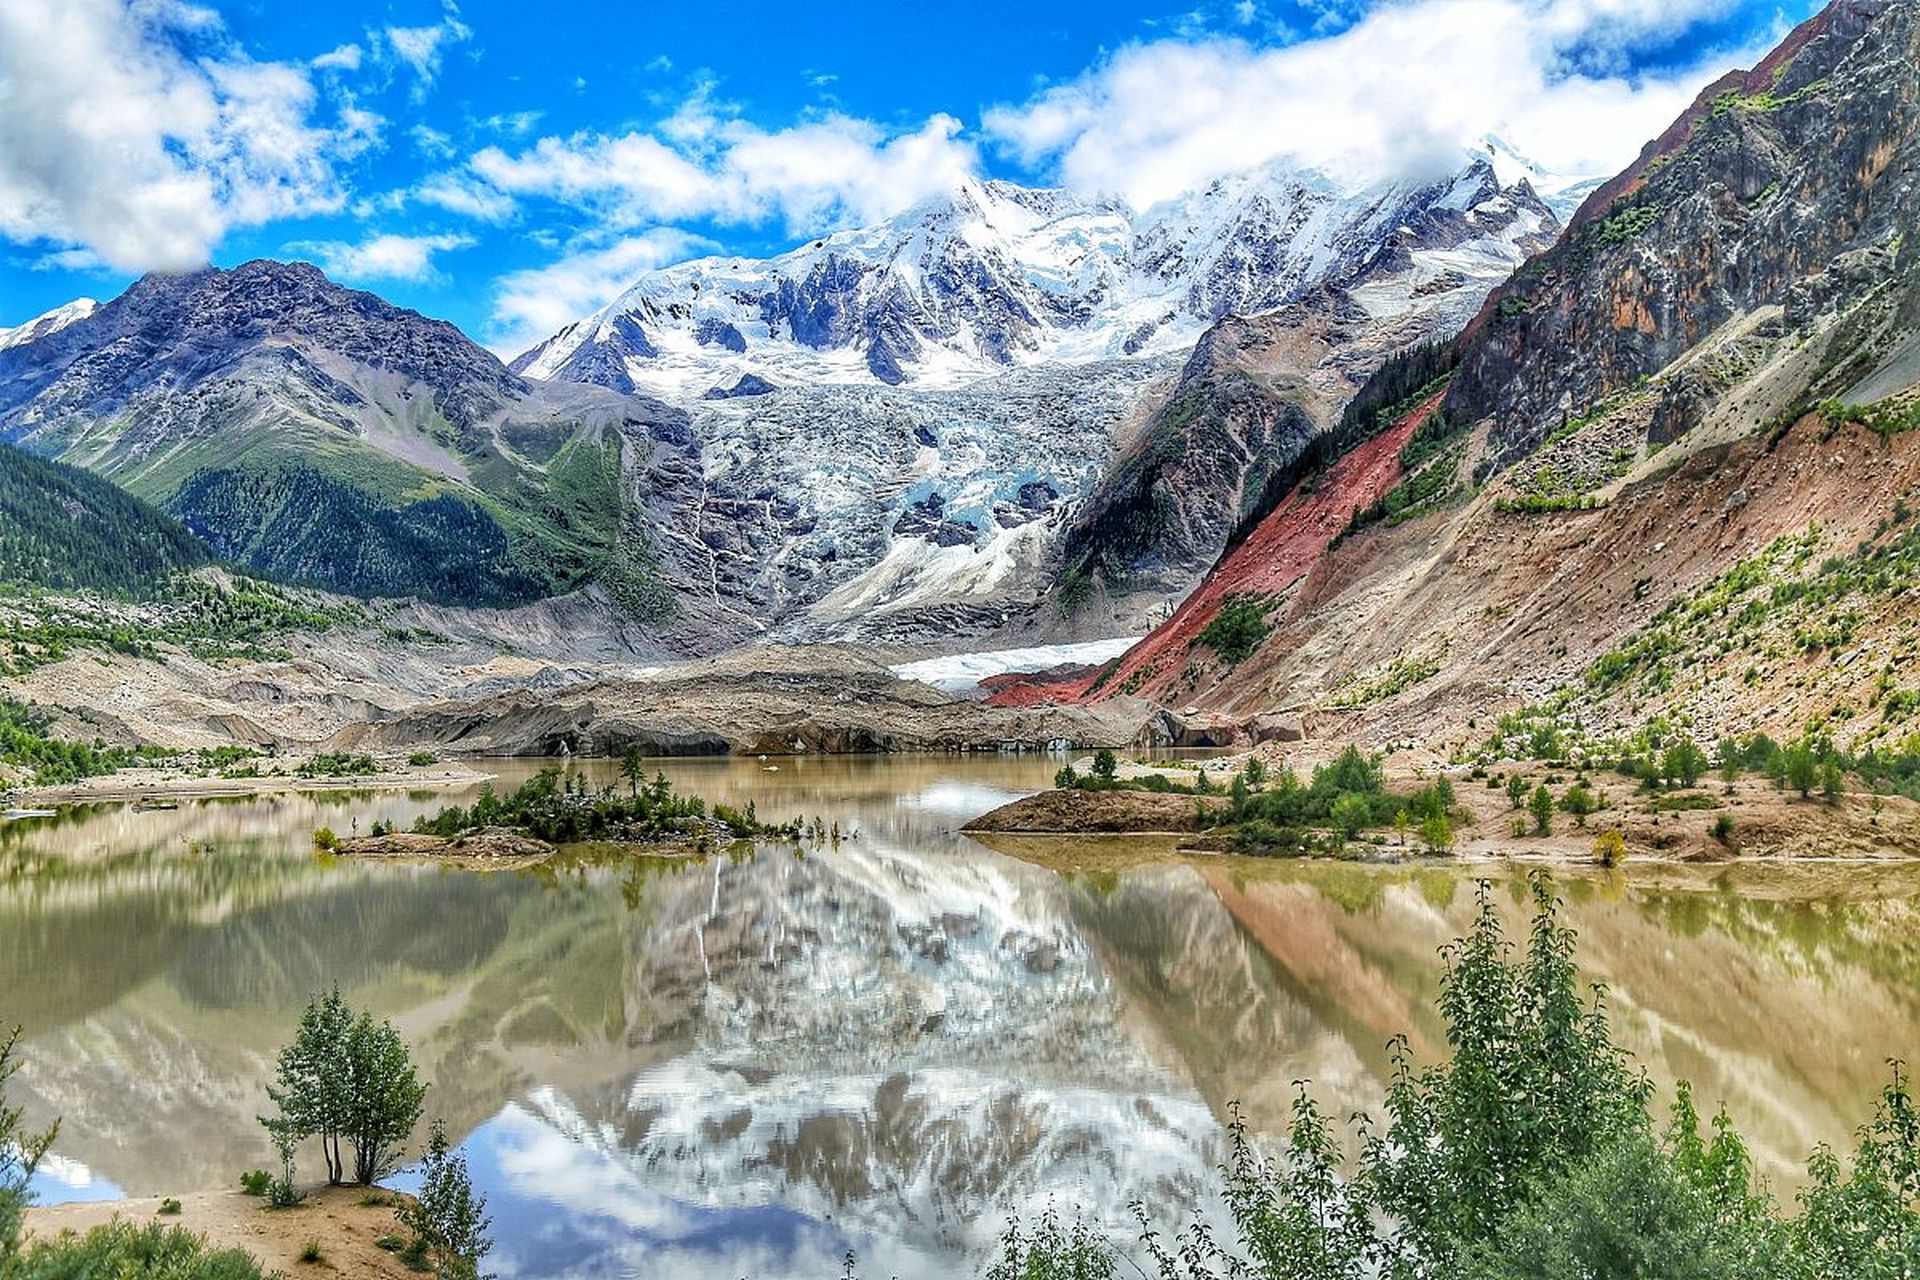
1258 388
1672 476
1792 186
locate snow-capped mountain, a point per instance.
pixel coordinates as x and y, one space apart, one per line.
897 426
1560 192
992 276
52 322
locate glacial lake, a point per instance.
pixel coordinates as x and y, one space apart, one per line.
752 1064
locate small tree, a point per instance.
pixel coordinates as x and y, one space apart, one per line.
1833 782
1609 848
1066 779
1731 757
346 1079
1580 803
1541 805
1401 825
1105 765
448 1218
631 770
1256 772
312 1083
1436 833
20 1153
386 1097
1682 763
1350 814
1803 771
1516 790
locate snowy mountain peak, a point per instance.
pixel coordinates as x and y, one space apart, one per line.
52 322
1560 192
991 275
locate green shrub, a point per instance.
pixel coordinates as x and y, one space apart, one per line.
169 1208
1238 629
256 1182
122 1249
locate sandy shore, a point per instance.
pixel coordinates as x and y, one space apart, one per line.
168 784
345 1228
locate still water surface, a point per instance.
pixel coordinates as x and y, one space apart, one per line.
751 1064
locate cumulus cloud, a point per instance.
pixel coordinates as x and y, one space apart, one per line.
833 171
532 305
381 257
128 134
1395 95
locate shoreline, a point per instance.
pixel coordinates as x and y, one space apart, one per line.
131 786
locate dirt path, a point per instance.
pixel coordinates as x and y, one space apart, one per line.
345 1228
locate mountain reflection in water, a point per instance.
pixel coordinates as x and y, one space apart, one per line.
751 1064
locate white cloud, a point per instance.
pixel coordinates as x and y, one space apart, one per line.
345 58
461 194
118 140
532 305
420 48
1396 95
381 257
832 171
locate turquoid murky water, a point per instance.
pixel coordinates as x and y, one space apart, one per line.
748 1066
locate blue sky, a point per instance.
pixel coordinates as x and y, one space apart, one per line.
509 166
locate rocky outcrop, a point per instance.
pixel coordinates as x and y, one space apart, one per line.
1258 389
1794 185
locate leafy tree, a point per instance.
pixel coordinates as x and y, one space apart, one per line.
1516 790
1239 795
1256 772
1609 848
1105 765
1802 770
1534 1086
386 1097
1351 813
1580 802
448 1218
1731 758
312 1083
1682 763
1541 806
631 770
1833 782
1050 1251
1293 1217
1866 1223
1436 833
346 1079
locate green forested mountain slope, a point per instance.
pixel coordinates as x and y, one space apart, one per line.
64 528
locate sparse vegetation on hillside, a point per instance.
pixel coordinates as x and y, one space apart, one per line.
211 619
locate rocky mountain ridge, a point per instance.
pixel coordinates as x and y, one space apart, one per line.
1671 487
993 275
